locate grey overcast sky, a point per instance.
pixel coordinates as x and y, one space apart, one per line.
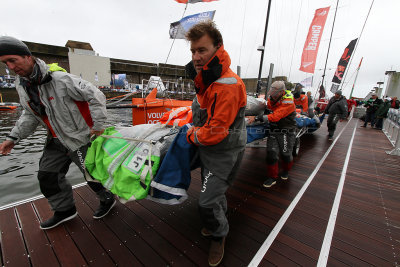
139 30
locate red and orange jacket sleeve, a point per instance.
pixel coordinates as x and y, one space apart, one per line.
222 106
281 110
302 101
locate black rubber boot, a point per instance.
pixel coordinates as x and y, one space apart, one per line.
58 218
107 202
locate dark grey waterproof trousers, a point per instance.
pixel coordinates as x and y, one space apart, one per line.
331 123
212 200
53 166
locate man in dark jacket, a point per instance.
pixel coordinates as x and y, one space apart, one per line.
337 110
382 112
372 106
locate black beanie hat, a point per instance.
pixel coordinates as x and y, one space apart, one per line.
12 46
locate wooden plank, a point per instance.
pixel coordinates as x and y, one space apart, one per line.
189 226
125 232
157 242
114 247
89 246
168 233
39 247
278 259
62 243
364 243
12 242
293 254
299 246
354 256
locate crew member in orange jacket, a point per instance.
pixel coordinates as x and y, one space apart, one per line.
300 98
219 129
282 126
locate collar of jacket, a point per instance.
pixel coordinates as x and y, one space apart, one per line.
40 74
211 71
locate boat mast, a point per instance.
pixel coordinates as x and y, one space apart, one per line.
355 79
262 49
356 46
330 40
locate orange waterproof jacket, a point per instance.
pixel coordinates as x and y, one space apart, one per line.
219 128
302 101
283 112
221 96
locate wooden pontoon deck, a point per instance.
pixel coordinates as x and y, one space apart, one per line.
282 226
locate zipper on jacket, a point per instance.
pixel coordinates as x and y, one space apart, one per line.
49 117
72 118
212 108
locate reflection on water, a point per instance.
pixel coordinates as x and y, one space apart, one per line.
18 170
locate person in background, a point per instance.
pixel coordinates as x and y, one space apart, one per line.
282 127
219 129
310 99
394 103
71 110
337 110
350 104
382 112
300 99
372 106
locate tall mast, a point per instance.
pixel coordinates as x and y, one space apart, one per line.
355 79
263 49
330 40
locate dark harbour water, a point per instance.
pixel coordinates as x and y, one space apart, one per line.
18 170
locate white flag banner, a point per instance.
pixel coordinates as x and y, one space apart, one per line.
335 87
307 82
178 29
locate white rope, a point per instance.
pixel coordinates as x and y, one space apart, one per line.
128 139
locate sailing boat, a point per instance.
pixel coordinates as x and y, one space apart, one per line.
7 105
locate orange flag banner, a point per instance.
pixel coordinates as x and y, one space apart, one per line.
311 45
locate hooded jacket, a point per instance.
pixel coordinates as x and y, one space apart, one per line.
337 107
72 107
218 114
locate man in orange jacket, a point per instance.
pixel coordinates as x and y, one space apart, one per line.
300 98
218 129
282 126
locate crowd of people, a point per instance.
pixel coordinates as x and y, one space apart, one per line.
377 109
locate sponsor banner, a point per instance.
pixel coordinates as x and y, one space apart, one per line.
313 39
178 29
334 87
193 1
344 60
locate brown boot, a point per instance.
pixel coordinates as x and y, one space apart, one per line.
216 252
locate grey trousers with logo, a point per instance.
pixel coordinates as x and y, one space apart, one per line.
53 166
212 201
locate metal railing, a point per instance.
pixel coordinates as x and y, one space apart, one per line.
391 128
